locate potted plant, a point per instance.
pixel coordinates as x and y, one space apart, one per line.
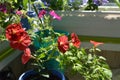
31 74
17 31
81 60
48 44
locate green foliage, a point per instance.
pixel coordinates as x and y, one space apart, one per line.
8 17
117 2
88 64
25 3
58 4
91 6
75 5
44 40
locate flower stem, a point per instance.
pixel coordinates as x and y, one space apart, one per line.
38 61
37 13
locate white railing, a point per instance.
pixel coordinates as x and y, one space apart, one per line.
7 54
92 24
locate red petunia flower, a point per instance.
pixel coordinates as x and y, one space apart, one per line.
13 31
63 44
54 15
19 39
22 43
41 13
75 40
26 56
95 43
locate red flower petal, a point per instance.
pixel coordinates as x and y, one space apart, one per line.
63 44
95 43
26 56
75 40
19 39
13 30
21 43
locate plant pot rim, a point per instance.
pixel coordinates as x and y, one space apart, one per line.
27 73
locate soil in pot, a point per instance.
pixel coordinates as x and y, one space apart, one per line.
39 77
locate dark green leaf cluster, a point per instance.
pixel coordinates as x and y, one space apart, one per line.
91 6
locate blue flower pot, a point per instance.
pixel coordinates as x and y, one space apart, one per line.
29 73
25 23
31 13
24 20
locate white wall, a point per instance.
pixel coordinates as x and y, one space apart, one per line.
106 24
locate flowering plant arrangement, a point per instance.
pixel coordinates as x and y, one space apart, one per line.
49 44
85 61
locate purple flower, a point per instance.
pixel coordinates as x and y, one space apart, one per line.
100 2
85 2
71 1
46 3
54 15
3 8
97 2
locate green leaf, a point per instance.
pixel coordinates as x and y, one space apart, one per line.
108 72
97 49
15 1
95 69
77 66
90 56
68 53
42 55
72 58
117 2
79 54
83 51
25 3
101 57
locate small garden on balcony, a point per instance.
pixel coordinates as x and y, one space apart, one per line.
59 40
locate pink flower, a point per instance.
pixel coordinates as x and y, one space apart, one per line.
75 40
26 56
41 13
54 15
19 13
95 43
63 44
